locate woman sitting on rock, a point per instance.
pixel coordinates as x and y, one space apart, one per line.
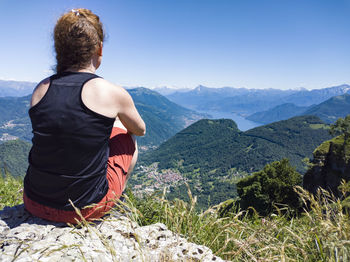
83 150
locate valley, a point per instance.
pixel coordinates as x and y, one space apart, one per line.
212 155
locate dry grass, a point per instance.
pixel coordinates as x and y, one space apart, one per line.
321 233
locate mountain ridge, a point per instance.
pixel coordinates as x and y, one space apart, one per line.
329 110
248 101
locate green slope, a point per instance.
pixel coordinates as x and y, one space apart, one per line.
204 145
277 113
330 110
218 144
14 157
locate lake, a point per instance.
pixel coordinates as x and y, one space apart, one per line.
242 123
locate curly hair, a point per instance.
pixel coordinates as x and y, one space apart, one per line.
77 35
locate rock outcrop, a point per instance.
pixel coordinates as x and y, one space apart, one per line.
330 165
24 237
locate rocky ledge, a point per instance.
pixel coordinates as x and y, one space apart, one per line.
24 237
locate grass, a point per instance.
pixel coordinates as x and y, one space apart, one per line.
321 233
11 191
323 149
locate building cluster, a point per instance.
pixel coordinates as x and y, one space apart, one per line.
156 180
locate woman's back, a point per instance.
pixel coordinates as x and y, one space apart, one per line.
70 146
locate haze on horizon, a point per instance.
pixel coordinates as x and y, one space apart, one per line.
185 43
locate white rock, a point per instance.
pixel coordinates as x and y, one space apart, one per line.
27 238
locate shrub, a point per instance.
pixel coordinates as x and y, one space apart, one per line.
270 187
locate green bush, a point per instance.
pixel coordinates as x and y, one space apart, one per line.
270 187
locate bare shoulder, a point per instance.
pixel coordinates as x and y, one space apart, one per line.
114 101
104 97
107 86
39 91
106 91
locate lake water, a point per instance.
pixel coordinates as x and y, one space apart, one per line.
242 123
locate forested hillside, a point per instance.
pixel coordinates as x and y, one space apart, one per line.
277 113
330 110
14 157
219 145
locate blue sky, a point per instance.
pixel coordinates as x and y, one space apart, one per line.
184 43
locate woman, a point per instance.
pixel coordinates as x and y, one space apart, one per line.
81 154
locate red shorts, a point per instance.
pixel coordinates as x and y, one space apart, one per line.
122 148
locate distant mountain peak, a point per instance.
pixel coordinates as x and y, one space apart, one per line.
168 90
201 88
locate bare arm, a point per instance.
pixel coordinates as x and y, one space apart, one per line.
113 101
129 116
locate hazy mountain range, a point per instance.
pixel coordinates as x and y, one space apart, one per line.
248 101
329 111
16 88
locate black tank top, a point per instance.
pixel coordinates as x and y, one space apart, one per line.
68 159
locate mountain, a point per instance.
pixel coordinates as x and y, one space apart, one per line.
14 157
211 154
329 111
219 145
163 117
165 91
316 96
251 102
248 101
277 113
227 99
16 88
